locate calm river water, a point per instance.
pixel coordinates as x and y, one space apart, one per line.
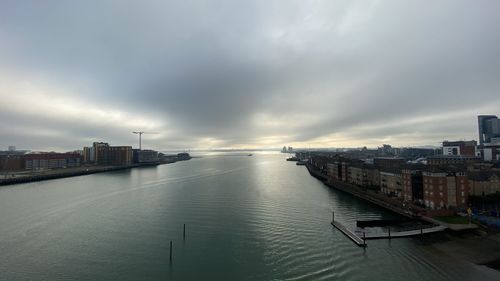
247 218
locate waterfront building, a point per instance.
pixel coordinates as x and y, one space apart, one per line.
51 160
355 175
102 153
89 154
11 162
362 174
413 185
333 170
444 188
145 156
120 155
391 183
372 177
461 148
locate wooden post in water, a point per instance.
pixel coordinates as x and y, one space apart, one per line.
170 251
421 232
184 232
389 232
333 216
364 239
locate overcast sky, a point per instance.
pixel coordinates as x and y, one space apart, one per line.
219 74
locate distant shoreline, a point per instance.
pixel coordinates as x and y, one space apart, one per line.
69 172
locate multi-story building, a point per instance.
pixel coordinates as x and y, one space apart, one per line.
372 177
490 151
484 182
413 187
11 162
489 137
338 170
120 155
391 183
461 148
444 189
52 160
145 156
89 154
389 162
356 175
452 160
489 128
102 153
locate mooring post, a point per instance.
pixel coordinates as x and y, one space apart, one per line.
364 239
333 216
421 232
170 251
389 232
184 232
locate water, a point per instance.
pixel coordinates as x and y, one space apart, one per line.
248 218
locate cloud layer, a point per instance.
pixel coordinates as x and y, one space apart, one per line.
246 73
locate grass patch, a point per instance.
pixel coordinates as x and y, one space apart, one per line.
453 219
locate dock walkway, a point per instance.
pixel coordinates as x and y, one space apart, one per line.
399 234
355 238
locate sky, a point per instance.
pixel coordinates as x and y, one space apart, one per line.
246 74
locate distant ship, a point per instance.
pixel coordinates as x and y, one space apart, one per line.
250 154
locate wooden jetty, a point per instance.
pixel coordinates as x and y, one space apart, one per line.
351 235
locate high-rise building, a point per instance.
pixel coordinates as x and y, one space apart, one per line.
489 137
489 129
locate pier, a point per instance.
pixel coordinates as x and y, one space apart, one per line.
351 235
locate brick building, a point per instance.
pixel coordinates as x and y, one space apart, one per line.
463 148
104 154
11 162
484 182
445 189
51 160
413 186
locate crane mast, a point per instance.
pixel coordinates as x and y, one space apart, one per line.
140 137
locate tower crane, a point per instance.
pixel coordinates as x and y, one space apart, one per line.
140 137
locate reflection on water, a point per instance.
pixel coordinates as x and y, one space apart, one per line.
248 218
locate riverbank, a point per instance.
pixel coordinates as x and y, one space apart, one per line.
372 197
463 242
29 176
34 176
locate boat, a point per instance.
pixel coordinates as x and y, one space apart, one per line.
301 162
250 154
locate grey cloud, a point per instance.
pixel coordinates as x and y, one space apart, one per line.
208 69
